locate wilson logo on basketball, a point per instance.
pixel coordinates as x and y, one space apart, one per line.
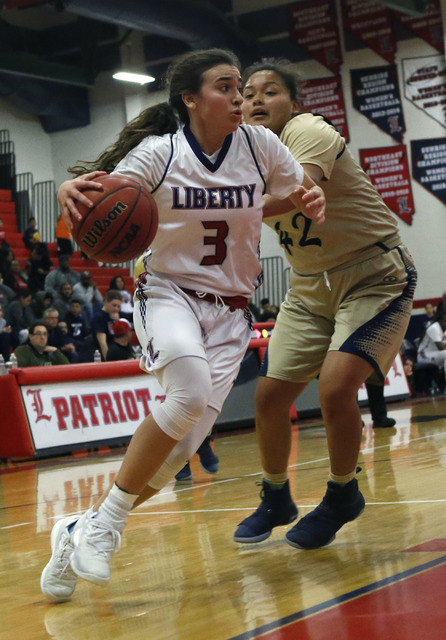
99 227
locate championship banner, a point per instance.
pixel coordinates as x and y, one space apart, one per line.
427 27
425 85
325 96
376 94
388 170
314 28
372 25
429 165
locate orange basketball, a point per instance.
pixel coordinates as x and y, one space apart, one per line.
121 224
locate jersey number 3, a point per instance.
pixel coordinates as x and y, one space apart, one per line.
218 240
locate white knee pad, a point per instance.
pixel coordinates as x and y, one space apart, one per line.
184 449
188 386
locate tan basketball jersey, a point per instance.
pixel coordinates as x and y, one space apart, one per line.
356 216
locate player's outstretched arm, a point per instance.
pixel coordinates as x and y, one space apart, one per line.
310 201
70 192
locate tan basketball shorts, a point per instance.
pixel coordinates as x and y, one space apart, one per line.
363 309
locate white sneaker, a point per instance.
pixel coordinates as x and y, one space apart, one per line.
58 581
94 544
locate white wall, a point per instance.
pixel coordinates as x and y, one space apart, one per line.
48 156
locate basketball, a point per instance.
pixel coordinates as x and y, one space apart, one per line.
121 224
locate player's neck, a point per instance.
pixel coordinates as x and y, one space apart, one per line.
210 141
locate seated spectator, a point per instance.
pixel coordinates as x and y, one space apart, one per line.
269 313
120 347
20 316
58 339
41 301
15 278
432 347
4 244
78 331
38 266
7 294
31 235
5 336
103 321
36 352
118 283
63 237
63 273
76 323
63 299
87 292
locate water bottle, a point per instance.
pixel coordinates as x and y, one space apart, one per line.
3 368
13 361
97 356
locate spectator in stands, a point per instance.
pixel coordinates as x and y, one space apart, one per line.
36 352
63 299
38 266
7 294
78 331
5 336
120 347
31 235
63 273
268 311
4 244
87 292
118 283
56 337
15 278
432 348
103 321
63 238
41 301
19 316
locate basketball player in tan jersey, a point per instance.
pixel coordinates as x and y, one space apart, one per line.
344 317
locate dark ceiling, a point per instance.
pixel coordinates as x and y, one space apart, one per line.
52 51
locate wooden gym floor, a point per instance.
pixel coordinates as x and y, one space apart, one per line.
179 575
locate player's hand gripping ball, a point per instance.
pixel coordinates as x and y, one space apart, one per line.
121 224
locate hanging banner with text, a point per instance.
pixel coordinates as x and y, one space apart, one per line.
376 94
425 85
429 165
388 170
325 96
372 25
313 26
428 26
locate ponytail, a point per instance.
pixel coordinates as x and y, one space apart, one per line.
153 121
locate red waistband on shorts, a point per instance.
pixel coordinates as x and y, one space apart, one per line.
233 302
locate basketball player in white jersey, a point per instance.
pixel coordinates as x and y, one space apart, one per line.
343 319
208 179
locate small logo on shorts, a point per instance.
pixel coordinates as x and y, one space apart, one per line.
390 279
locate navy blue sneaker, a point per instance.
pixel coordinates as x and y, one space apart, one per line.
184 474
208 460
318 528
277 508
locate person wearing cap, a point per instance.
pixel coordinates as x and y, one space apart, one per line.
120 348
87 292
62 273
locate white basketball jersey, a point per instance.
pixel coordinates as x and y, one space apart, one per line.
210 210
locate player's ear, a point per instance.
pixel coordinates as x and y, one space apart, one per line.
189 100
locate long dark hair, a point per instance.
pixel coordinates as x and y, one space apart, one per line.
184 75
283 67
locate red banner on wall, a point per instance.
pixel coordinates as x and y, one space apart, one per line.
429 27
388 170
372 24
314 28
325 96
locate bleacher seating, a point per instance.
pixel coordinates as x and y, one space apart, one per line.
100 275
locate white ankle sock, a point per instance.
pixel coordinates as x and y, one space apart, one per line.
116 508
343 480
276 480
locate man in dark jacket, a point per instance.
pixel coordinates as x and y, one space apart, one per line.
36 352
